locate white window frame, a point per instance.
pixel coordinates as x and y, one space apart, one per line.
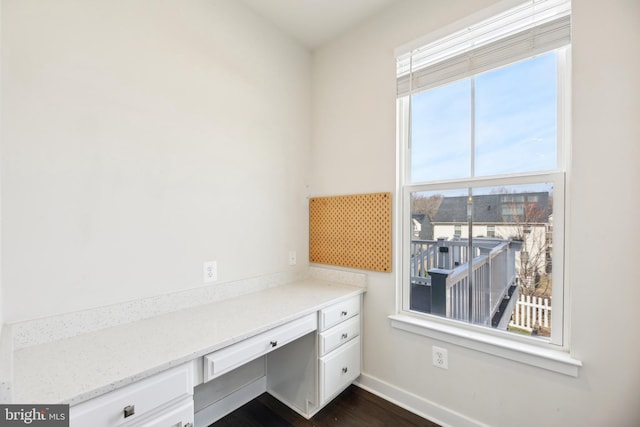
552 354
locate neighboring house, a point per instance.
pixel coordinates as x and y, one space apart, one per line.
422 227
516 216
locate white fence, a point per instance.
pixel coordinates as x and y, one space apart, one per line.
531 312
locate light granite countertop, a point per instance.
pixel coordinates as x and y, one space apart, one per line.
75 369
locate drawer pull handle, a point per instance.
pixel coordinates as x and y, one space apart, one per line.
273 343
344 336
344 370
129 410
344 313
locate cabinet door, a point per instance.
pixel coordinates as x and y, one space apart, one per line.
339 369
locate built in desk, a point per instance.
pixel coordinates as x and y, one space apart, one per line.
299 341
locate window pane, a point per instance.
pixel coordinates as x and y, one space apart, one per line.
510 253
516 117
440 132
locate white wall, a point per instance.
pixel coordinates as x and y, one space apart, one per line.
140 139
353 151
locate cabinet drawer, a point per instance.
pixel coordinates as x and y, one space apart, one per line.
339 369
339 334
228 358
339 312
143 397
177 415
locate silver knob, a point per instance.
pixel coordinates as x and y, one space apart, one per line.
344 370
273 343
129 410
344 336
344 313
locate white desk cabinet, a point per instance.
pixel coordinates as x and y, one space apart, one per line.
316 357
339 347
299 342
314 370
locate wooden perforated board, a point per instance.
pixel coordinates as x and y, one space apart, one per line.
351 231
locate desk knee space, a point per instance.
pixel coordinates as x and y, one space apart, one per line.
304 363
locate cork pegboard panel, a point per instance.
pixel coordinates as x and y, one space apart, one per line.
351 231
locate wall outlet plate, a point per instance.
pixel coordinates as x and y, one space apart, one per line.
440 358
210 271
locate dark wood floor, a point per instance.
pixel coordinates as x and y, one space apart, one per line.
355 407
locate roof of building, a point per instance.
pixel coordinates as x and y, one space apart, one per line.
495 208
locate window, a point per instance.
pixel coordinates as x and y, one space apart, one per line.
482 131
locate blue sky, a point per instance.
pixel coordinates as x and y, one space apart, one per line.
515 123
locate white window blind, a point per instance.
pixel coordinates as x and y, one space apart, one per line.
534 27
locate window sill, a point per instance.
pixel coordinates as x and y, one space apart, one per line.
550 359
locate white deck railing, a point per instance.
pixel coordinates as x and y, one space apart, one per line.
444 264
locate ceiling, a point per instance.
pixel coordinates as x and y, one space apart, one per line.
315 22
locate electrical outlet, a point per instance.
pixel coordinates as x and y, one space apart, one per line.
439 357
210 271
292 258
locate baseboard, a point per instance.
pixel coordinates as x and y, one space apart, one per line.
416 404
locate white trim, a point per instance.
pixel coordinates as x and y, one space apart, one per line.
467 21
554 176
403 169
561 324
507 348
564 150
419 72
413 403
557 179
